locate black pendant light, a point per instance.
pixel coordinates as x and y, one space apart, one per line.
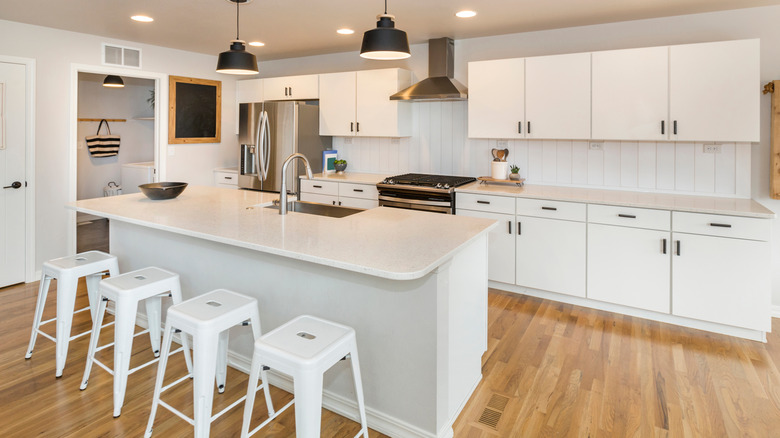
237 61
385 42
113 81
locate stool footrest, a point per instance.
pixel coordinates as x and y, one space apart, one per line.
171 385
271 418
177 413
232 405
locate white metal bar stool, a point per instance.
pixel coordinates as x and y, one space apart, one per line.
67 271
127 290
305 348
208 319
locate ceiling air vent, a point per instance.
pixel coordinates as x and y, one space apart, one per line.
123 56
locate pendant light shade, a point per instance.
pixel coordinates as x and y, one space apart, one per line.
385 42
113 81
237 61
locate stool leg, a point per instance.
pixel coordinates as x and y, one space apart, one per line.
124 325
359 389
66 302
204 368
43 291
221 370
153 318
97 323
308 403
93 282
166 348
255 320
249 402
176 298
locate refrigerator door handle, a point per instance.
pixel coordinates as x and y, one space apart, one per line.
266 145
258 159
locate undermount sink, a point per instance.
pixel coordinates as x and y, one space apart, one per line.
318 209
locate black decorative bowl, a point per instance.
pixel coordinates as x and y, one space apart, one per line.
162 190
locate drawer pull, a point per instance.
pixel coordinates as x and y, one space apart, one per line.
317 187
550 208
713 224
664 246
483 202
629 216
228 177
510 226
357 190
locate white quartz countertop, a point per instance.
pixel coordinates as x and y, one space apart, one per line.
384 242
662 201
351 177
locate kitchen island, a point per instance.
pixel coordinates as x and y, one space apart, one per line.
412 284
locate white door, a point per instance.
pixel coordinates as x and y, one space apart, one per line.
496 98
553 110
629 266
630 99
12 178
501 245
337 104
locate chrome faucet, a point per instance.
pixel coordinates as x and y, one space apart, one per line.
283 194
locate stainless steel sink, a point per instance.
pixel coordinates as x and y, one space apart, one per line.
318 209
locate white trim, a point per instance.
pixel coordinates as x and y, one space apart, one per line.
740 332
29 171
160 132
775 311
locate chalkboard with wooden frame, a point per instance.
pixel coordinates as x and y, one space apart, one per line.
195 112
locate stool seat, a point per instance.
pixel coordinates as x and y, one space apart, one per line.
305 342
67 271
215 311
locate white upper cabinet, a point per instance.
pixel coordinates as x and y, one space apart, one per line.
358 103
557 96
497 98
291 88
249 91
630 94
714 91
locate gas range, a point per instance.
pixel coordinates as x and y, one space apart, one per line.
419 191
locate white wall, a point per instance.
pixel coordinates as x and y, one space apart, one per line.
137 136
718 26
54 51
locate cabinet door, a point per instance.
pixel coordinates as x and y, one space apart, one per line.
358 202
557 96
249 91
337 104
629 266
551 255
630 96
319 198
501 245
714 91
497 98
377 115
291 88
722 280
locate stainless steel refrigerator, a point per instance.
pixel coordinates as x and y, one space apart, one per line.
269 132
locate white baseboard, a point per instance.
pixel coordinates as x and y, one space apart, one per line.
775 311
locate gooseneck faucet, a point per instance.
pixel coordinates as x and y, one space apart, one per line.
283 193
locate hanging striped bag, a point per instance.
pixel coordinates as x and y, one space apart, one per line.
103 145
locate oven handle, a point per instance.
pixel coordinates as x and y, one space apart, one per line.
418 207
414 201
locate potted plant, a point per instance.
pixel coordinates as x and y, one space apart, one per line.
340 165
514 174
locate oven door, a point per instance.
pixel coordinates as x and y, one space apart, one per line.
387 200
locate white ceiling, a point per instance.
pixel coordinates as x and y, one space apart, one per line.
292 28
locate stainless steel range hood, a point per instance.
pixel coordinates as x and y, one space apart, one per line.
441 84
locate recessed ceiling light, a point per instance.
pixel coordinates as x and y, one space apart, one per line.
345 31
142 18
256 44
465 14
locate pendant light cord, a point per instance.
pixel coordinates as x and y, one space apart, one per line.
237 12
385 7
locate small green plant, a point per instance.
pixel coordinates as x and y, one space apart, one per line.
339 161
514 169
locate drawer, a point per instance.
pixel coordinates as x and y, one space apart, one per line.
570 211
319 198
321 187
488 203
358 202
226 178
723 226
364 191
630 217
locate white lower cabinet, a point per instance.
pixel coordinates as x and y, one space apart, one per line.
319 198
629 266
346 194
501 245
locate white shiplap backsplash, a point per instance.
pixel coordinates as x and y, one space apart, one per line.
439 144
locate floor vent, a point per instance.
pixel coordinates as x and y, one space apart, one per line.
492 413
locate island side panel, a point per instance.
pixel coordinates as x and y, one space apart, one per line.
396 321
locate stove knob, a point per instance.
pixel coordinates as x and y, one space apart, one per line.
438 185
446 186
390 181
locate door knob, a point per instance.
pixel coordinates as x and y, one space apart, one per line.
14 185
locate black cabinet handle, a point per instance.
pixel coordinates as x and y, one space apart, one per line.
720 225
358 126
664 245
663 127
483 202
285 91
550 208
519 127
228 177
528 128
339 202
674 128
510 226
629 216
290 91
519 228
351 126
357 190
317 187
678 248
334 202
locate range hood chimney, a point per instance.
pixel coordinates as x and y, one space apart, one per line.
441 84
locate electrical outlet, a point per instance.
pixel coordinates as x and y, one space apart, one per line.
711 148
596 146
171 150
502 144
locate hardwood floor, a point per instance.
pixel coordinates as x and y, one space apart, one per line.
551 370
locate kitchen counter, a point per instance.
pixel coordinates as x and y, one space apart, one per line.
351 177
662 201
413 285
